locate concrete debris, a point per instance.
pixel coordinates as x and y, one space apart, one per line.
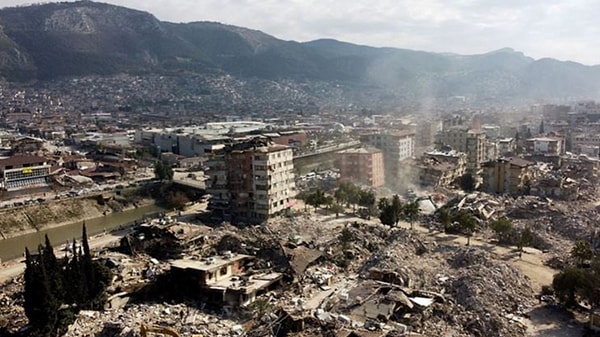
187 319
297 276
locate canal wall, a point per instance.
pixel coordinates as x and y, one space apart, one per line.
55 213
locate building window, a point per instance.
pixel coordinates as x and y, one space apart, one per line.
223 271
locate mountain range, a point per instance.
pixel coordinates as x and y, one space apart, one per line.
53 40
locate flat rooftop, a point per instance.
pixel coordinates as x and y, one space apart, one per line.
207 264
256 282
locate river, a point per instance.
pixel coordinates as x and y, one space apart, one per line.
14 247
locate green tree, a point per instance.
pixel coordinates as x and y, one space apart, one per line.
445 217
46 280
397 209
525 239
337 209
390 212
502 227
346 237
569 283
305 197
159 170
316 198
411 212
54 270
41 306
162 171
367 200
260 307
386 215
341 196
466 223
582 252
348 193
467 182
328 201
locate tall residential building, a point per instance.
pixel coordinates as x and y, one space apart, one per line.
251 181
454 137
545 145
363 165
396 147
471 142
425 134
507 175
477 150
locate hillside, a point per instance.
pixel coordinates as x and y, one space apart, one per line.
48 41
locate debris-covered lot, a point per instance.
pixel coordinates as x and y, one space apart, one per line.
316 274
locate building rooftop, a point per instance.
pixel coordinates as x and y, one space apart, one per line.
209 263
272 148
254 283
22 160
360 150
520 162
543 139
402 133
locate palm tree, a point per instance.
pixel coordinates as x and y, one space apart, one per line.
581 252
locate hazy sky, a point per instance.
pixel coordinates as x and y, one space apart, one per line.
566 29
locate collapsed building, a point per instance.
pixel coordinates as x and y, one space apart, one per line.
222 279
440 168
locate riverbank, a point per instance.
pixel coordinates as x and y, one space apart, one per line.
57 213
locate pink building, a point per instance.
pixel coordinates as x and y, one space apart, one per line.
363 165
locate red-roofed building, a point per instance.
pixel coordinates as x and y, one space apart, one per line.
363 165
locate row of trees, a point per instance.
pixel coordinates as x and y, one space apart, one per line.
347 195
506 233
55 289
579 280
461 221
391 211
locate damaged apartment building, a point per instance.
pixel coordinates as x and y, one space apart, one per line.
438 168
223 279
251 180
397 146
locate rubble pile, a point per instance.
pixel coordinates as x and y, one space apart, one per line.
531 207
479 277
468 282
12 314
309 276
130 274
183 318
